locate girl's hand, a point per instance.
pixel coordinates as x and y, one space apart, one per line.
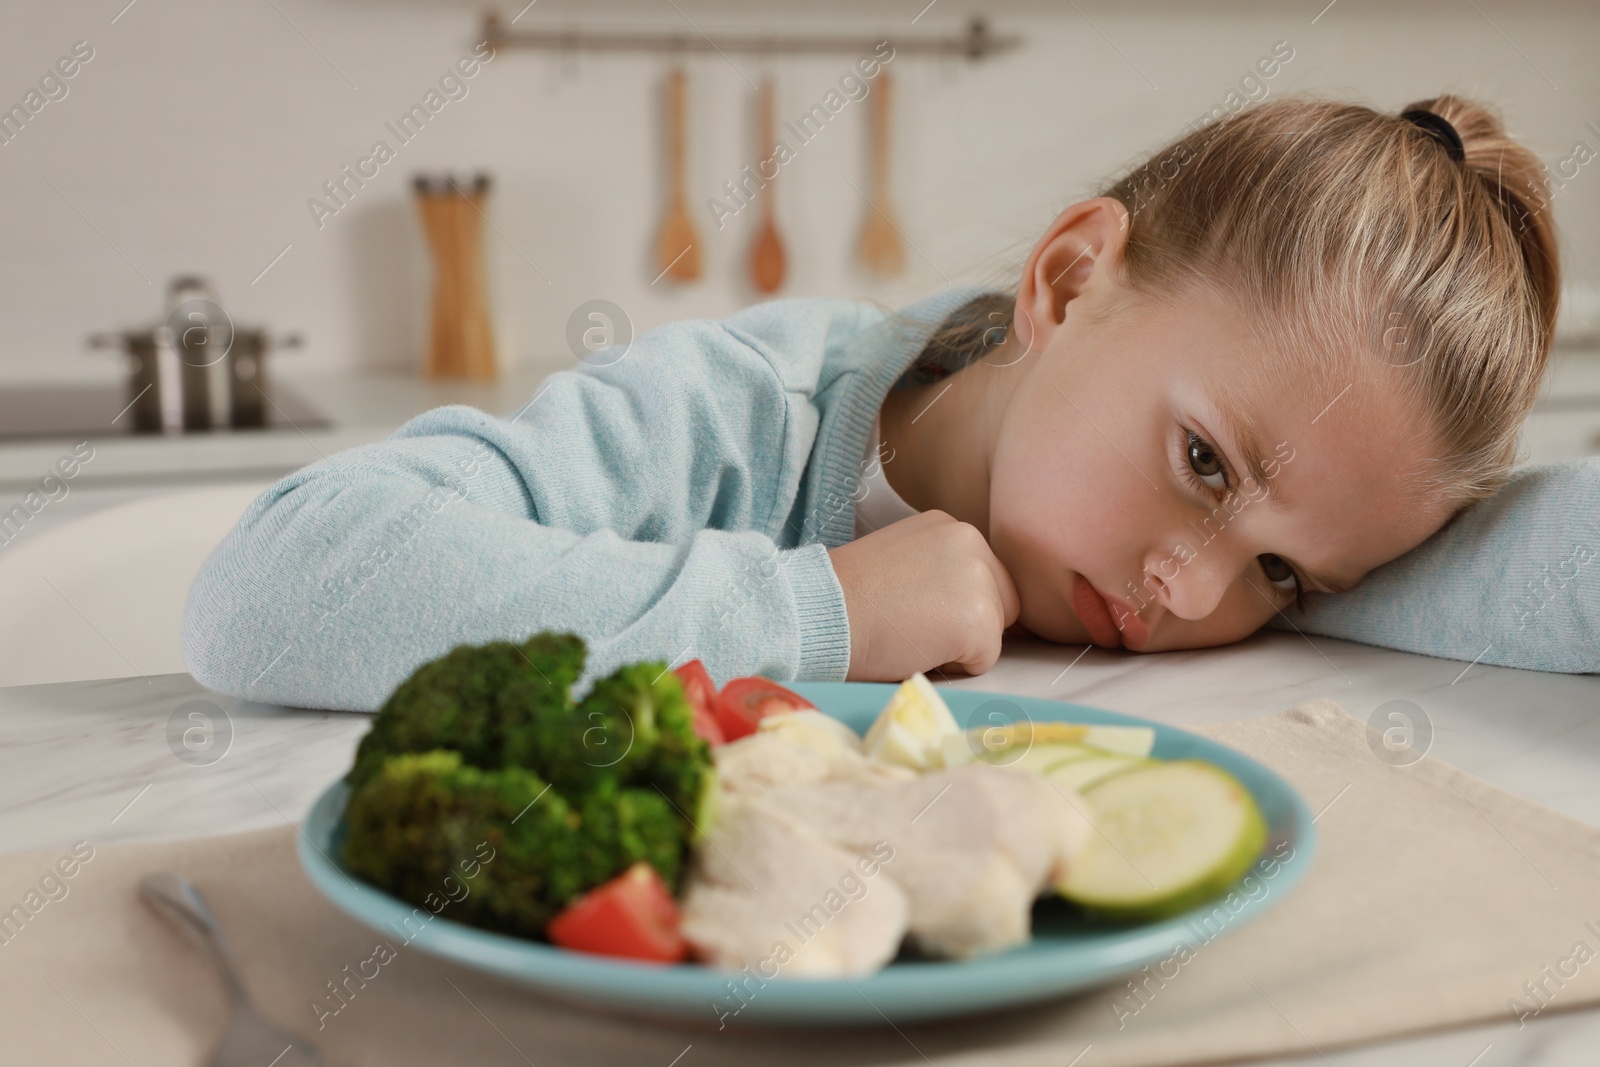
923 593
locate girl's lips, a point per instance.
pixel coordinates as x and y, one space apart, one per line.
1111 621
1091 609
1135 631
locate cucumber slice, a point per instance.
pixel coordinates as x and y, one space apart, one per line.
1038 746
1169 836
1035 757
1084 771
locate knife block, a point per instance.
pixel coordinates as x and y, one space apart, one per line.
461 339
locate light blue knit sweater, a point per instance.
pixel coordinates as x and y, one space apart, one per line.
678 502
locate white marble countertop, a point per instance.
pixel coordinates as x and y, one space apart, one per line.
93 760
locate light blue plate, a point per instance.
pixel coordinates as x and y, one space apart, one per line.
1068 952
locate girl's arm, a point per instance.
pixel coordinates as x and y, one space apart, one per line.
1513 581
640 505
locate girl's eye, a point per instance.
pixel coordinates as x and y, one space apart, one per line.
1205 462
1278 572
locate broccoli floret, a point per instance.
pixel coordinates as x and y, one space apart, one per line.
483 750
680 767
613 735
620 826
497 849
473 700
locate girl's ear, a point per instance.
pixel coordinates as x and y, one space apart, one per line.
1081 250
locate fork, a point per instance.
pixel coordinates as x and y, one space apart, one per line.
249 1041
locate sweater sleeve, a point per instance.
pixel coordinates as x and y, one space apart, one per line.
1513 581
635 508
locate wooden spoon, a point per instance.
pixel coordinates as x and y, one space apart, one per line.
879 249
766 252
677 251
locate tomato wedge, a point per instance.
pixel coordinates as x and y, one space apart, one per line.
744 702
702 694
633 915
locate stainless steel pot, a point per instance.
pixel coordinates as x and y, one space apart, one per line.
196 370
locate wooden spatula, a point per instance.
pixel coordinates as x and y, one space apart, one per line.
766 252
879 250
677 250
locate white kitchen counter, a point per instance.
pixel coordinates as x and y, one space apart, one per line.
361 407
93 760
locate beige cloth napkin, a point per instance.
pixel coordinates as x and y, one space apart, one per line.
1433 899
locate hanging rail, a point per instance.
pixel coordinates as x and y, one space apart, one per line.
976 43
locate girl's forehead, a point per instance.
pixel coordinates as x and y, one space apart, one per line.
1270 375
1257 367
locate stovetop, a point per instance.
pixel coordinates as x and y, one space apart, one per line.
40 411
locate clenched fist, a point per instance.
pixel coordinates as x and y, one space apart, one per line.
923 593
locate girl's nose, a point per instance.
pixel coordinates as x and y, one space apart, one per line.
1193 579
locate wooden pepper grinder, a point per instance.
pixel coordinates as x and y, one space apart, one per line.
461 344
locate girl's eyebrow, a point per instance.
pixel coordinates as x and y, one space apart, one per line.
1240 438
1234 427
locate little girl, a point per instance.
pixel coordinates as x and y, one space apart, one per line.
1284 350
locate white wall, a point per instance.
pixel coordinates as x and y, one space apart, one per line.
195 136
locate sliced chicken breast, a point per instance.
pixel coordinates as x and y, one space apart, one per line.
769 894
973 846
821 861
768 759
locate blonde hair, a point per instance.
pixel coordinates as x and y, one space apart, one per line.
1330 223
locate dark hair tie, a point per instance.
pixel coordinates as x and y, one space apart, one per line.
1441 130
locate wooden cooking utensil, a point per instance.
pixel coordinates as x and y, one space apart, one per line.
766 251
880 250
461 344
677 250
